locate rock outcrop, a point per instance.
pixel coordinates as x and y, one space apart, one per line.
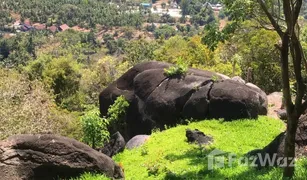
157 100
50 157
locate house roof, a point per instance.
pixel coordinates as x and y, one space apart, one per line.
16 23
53 29
27 22
64 27
77 28
39 26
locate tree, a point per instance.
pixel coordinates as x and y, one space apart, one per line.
163 5
184 5
282 17
62 75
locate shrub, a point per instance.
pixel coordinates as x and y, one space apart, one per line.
164 31
179 69
94 128
116 116
117 110
62 75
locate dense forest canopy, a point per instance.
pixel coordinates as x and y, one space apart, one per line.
72 12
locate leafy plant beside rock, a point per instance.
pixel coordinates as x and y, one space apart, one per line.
94 128
117 110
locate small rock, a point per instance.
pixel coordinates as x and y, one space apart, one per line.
282 114
197 136
238 79
137 141
114 146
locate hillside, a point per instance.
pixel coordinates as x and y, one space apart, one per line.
83 70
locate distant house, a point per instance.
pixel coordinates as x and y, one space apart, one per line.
27 22
174 5
53 29
25 27
39 26
77 28
146 5
216 7
17 25
64 27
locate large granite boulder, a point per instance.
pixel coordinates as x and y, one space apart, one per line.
157 100
49 156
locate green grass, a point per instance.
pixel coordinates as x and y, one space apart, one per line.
89 176
167 155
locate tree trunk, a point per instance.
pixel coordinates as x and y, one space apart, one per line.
289 150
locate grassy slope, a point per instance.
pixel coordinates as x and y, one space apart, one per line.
167 155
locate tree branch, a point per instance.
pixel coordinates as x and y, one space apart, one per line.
271 18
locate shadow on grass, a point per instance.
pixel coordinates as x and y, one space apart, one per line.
198 157
249 174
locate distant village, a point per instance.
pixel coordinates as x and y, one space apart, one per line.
27 25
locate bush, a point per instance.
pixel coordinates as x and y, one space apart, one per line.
178 69
116 115
94 128
165 31
63 76
117 110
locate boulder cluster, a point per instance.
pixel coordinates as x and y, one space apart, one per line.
157 100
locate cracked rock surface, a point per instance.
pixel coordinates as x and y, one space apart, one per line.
49 156
157 100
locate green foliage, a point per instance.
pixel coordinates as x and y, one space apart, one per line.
86 13
94 128
90 176
164 31
179 69
19 50
140 51
257 50
62 75
117 110
99 75
203 17
116 115
197 55
213 36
